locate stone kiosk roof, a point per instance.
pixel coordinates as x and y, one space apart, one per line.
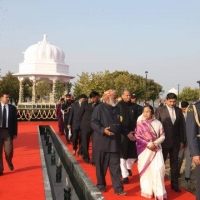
44 61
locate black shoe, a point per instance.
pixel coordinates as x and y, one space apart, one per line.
11 167
1 173
176 189
120 193
93 164
129 172
80 153
68 141
86 161
102 189
187 179
125 180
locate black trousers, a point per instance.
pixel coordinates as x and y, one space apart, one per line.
173 158
103 160
76 141
85 140
198 182
93 150
6 143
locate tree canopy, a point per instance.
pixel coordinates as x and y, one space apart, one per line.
100 82
27 89
118 80
43 89
59 89
10 84
189 94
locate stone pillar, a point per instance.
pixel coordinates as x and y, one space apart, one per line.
33 92
21 91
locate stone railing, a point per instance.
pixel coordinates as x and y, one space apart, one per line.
28 112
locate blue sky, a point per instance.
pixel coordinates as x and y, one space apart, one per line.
161 37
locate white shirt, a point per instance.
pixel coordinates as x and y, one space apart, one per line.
172 114
7 110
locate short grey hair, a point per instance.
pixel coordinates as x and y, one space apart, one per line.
125 89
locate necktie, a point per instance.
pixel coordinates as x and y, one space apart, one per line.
4 117
172 115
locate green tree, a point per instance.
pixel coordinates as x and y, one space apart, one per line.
69 87
27 89
189 94
124 81
10 84
42 89
83 83
118 80
153 90
100 82
59 89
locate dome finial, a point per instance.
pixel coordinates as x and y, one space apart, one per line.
45 38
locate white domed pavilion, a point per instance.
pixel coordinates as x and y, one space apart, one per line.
43 61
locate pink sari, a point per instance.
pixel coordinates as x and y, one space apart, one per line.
151 165
144 134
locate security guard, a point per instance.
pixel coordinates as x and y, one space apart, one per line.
193 138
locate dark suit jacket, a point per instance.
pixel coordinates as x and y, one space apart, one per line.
66 107
193 130
85 114
104 116
12 120
174 133
74 120
129 119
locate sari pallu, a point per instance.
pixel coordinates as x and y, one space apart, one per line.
150 162
144 134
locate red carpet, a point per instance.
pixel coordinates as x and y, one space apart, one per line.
26 181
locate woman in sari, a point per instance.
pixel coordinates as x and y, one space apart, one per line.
149 135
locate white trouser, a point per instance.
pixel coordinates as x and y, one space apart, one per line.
125 165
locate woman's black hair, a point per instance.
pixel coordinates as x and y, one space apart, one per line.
150 107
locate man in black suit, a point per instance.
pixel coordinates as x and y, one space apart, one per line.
66 108
172 120
8 130
85 114
129 114
74 124
107 126
139 107
193 139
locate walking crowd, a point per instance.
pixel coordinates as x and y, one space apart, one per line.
124 132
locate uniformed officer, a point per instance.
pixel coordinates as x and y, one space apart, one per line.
193 138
